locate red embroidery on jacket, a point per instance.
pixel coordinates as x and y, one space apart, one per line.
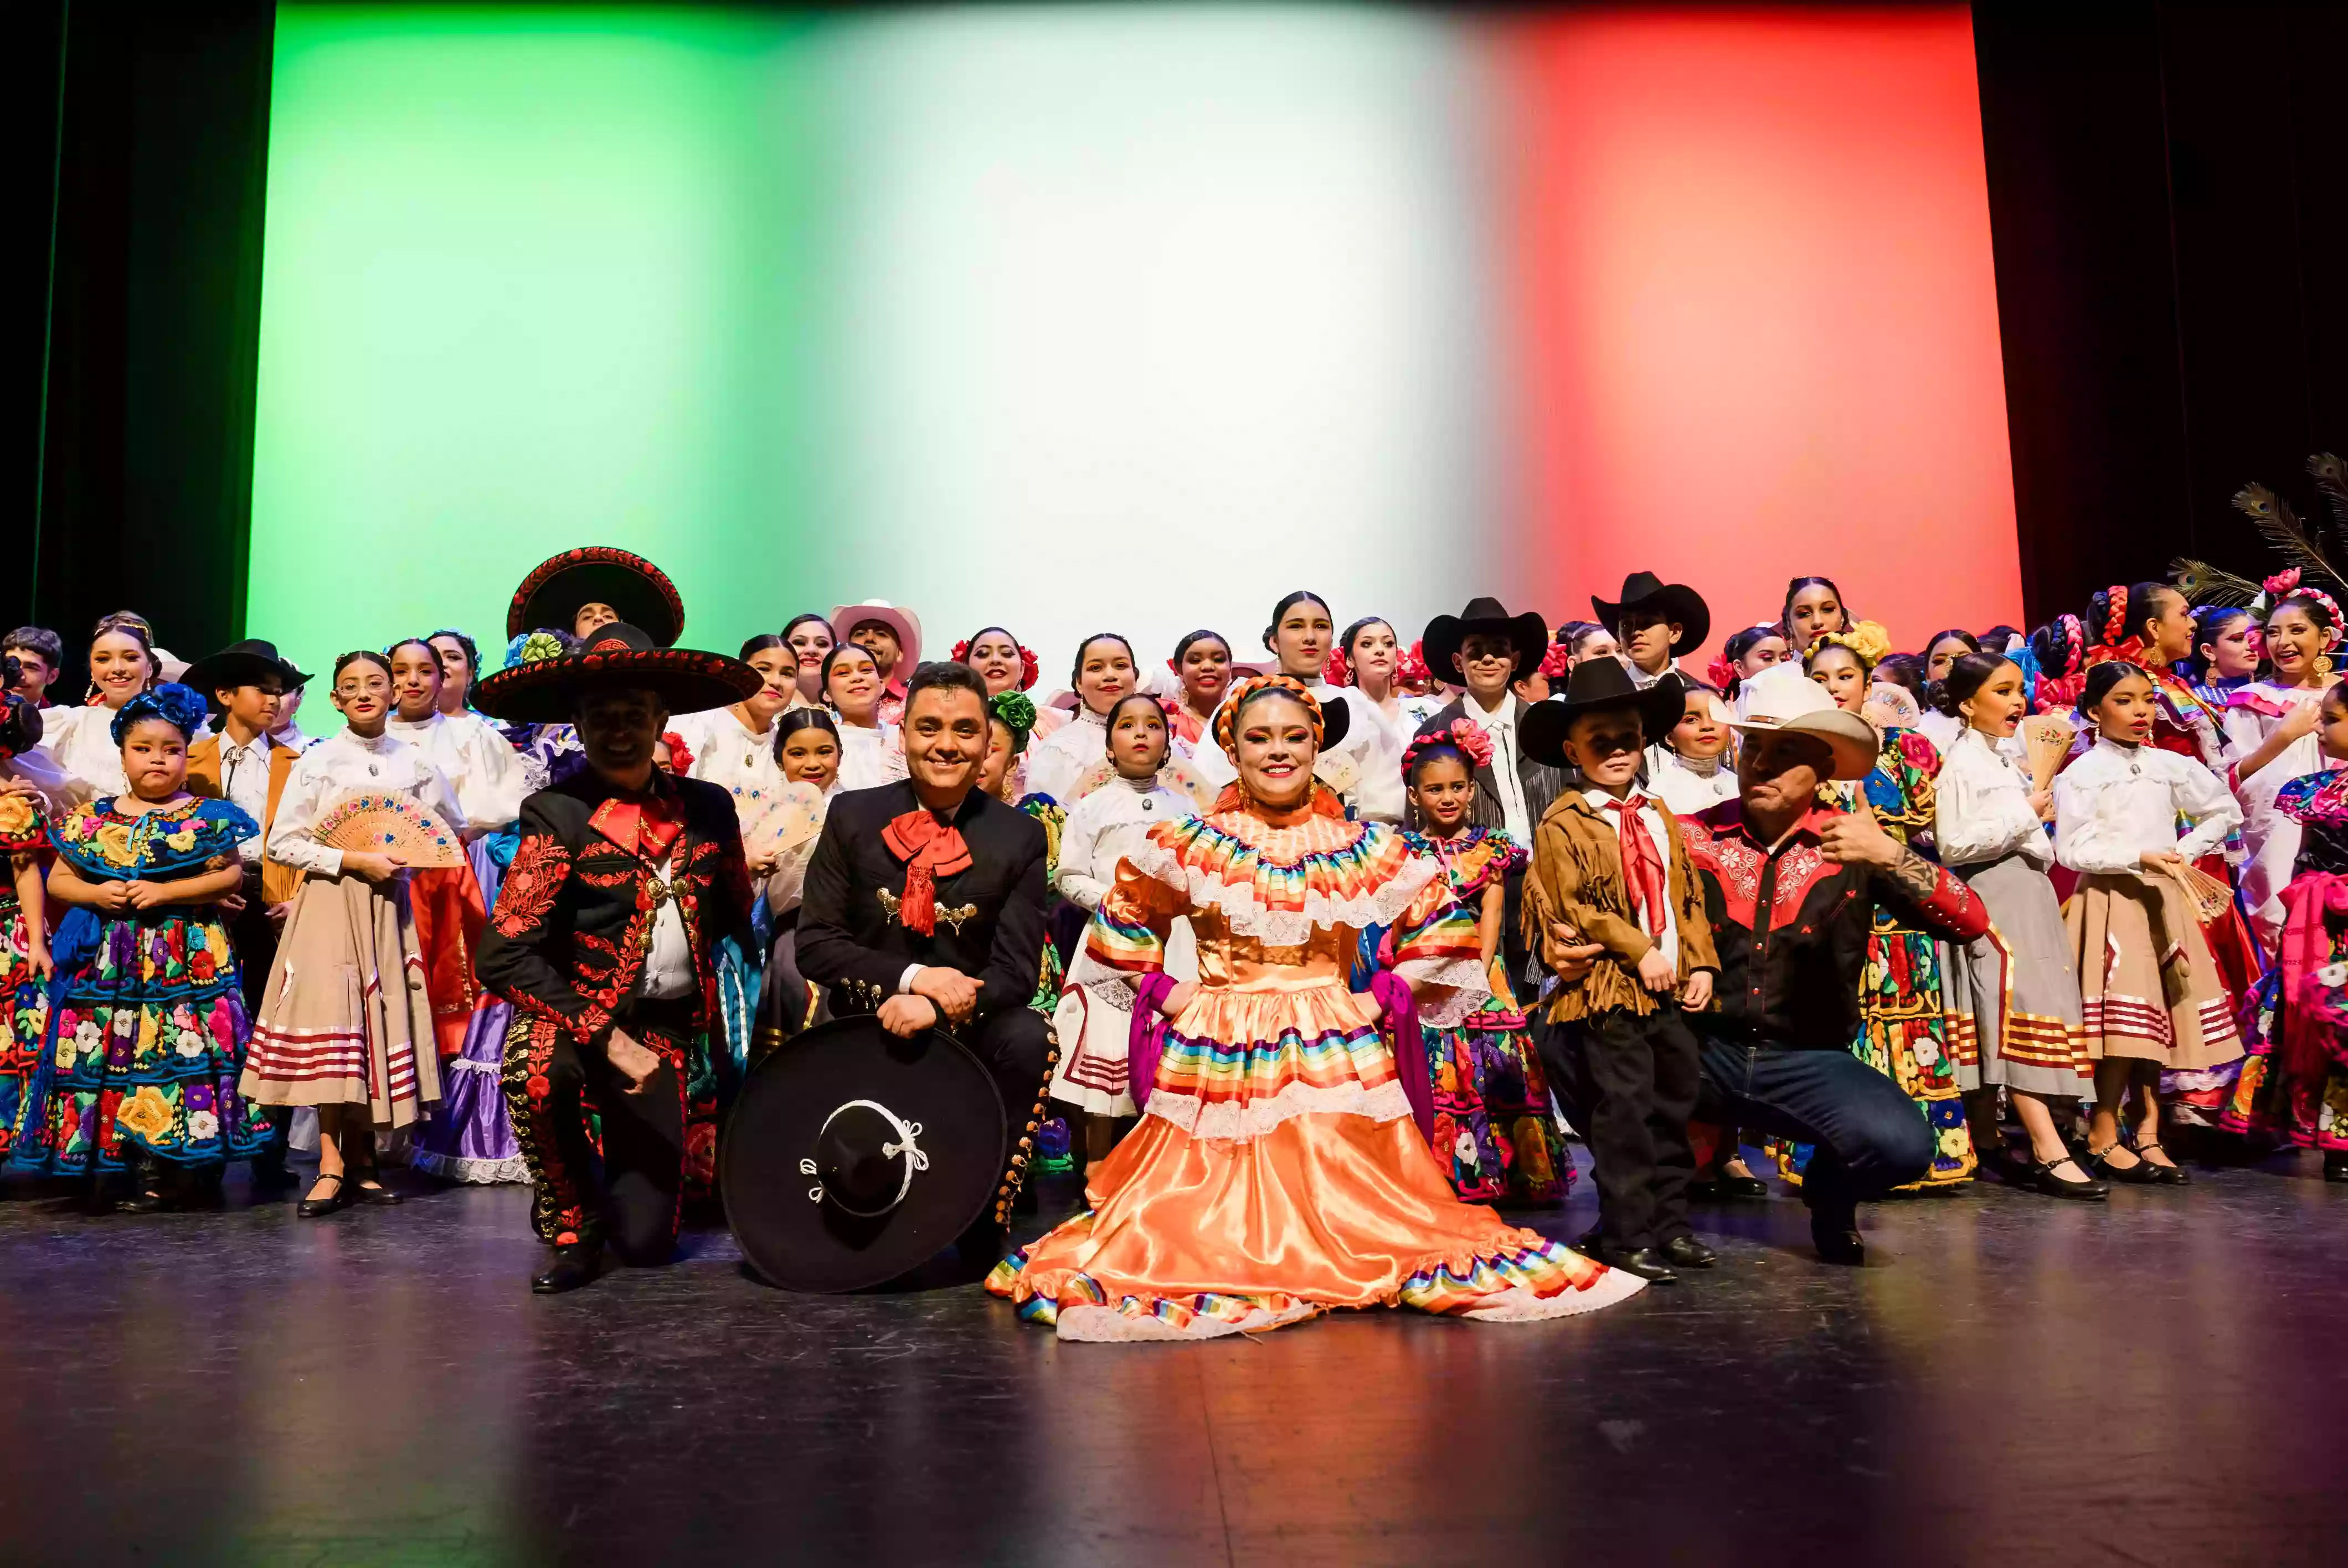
540 866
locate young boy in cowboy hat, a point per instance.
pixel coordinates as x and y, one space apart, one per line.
1655 623
1608 860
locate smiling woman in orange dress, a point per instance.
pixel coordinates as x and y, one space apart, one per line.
1277 1171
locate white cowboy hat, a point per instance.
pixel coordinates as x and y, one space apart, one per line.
903 622
1782 698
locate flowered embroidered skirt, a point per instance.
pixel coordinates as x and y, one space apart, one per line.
1493 1130
23 1015
143 1048
2304 1099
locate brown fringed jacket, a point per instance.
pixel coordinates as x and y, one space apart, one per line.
1577 877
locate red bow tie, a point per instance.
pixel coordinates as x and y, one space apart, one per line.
647 827
929 849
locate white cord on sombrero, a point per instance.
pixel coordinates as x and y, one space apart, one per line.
910 1131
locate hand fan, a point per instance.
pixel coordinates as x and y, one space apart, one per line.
2209 896
779 820
390 824
2046 740
1890 707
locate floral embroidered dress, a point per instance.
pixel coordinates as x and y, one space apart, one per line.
23 1000
1276 1171
1903 1031
1493 1127
2294 1083
146 1029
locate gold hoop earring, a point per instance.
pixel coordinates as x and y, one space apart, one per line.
2322 665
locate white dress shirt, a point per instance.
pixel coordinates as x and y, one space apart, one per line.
2117 802
1379 795
1667 940
1981 807
1500 729
345 765
481 766
245 781
668 962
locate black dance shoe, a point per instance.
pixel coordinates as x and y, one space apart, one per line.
1644 1262
2335 1167
2166 1175
1729 1184
2045 1179
2139 1175
1687 1252
369 1189
334 1203
574 1265
1836 1238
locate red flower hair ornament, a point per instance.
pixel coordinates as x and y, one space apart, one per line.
1461 736
1557 661
1028 669
680 756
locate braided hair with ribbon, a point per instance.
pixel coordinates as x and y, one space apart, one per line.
1253 690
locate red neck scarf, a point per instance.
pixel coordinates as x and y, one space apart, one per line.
1643 863
647 826
929 849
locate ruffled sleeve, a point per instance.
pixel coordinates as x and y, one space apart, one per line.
22 830
1127 933
1436 948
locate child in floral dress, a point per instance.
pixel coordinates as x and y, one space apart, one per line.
24 956
1494 1132
138 1065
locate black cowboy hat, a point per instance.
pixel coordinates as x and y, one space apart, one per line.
1676 602
556 587
1597 683
1526 633
241 664
852 1155
686 679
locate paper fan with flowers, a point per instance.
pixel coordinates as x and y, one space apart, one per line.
779 820
390 824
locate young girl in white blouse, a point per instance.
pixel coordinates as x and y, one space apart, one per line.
1108 823
2013 994
2151 997
1689 768
481 766
345 1023
1104 675
734 747
870 752
81 739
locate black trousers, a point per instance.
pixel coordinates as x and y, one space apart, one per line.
255 937
630 1195
1016 1045
1627 1084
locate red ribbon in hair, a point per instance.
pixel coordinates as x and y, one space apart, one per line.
929 849
2116 600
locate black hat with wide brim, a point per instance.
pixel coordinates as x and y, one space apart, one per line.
1676 602
560 586
851 1156
241 664
546 690
1599 683
1528 635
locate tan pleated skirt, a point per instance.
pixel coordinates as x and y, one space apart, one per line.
345 1020
2148 987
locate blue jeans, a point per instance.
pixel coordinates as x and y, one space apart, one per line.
1870 1136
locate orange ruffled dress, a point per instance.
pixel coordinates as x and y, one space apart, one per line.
1276 1172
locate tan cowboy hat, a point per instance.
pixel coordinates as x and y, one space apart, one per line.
1782 698
845 618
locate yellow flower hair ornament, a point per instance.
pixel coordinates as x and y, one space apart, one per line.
1868 642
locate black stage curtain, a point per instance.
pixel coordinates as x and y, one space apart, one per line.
135 458
2164 187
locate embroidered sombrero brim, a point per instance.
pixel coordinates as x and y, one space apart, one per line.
788 1229
556 587
687 680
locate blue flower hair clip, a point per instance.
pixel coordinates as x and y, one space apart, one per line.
177 705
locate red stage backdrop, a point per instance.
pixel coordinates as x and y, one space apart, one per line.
1758 319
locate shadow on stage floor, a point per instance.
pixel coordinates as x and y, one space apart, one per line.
2011 1381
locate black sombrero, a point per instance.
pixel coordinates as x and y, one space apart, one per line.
686 679
1676 602
852 1155
241 664
1599 683
1447 634
556 587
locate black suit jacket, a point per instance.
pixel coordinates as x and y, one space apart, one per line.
567 940
990 915
1541 783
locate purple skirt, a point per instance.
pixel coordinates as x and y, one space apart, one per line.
468 1137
